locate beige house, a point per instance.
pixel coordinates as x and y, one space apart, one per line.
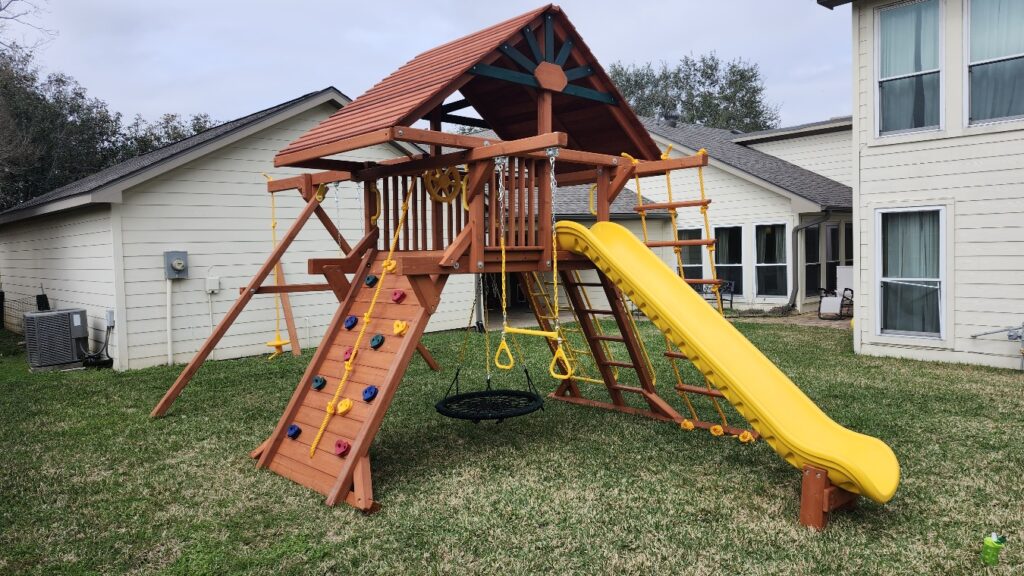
938 186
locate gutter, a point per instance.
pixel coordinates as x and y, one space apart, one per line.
795 249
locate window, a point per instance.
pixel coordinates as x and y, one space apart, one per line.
812 259
911 283
771 260
693 259
729 256
996 61
848 244
831 255
908 77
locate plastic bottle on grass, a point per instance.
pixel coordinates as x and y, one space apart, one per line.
991 548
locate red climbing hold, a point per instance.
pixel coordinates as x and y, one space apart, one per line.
397 296
341 447
347 354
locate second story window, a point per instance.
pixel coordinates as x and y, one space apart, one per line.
996 67
909 70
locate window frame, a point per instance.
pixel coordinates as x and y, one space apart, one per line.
700 249
785 253
879 278
967 76
878 72
825 259
738 289
817 262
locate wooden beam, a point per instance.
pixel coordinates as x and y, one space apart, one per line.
453 106
580 177
331 164
428 289
604 206
428 137
465 121
428 357
350 263
571 156
655 167
499 148
457 248
286 310
619 179
294 182
337 147
288 288
211 341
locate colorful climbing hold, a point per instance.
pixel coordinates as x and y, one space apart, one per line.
401 327
294 431
716 430
746 437
397 296
347 354
351 322
369 393
341 447
377 341
371 280
319 382
686 424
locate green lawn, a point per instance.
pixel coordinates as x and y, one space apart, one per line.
89 484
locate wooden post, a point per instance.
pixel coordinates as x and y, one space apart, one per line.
211 341
436 208
603 204
544 196
818 497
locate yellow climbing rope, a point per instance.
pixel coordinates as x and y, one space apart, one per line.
389 265
278 343
639 197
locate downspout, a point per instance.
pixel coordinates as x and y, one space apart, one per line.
796 254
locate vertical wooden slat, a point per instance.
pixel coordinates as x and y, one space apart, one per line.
385 215
512 192
424 204
450 216
523 191
437 209
544 122
414 216
396 202
531 205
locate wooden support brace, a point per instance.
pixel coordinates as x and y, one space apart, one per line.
619 180
819 497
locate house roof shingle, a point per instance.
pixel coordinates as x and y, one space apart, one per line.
137 164
811 186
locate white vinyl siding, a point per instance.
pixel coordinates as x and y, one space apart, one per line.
976 173
68 256
218 210
827 154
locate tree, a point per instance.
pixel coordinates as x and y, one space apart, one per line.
702 90
52 133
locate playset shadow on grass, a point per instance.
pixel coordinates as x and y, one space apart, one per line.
486 208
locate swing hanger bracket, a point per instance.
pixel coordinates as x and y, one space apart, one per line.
552 152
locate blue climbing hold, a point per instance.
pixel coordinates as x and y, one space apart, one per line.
371 280
294 431
351 322
377 341
369 393
319 382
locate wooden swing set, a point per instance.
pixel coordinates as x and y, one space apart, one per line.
467 205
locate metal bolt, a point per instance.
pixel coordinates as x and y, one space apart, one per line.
401 132
455 265
615 161
547 263
479 265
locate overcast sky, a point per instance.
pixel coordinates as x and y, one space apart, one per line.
231 58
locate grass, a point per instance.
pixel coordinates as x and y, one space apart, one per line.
89 484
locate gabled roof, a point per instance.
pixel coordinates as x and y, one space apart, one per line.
574 201
161 157
837 124
825 192
491 69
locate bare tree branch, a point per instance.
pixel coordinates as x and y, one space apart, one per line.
23 13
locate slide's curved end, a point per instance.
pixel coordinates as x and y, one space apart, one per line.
787 420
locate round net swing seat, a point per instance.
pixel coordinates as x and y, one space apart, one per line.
490 404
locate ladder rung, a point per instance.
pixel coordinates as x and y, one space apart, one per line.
618 364
622 388
594 284
703 281
596 311
671 205
671 354
609 338
670 243
698 390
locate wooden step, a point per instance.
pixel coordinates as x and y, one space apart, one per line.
618 364
671 205
698 390
671 243
708 281
597 311
602 338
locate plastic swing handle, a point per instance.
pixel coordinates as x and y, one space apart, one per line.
503 356
553 367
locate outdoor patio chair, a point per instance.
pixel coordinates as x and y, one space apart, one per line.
832 306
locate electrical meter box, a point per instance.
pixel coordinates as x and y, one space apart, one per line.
176 265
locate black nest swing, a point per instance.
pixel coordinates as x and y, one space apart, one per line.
490 403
